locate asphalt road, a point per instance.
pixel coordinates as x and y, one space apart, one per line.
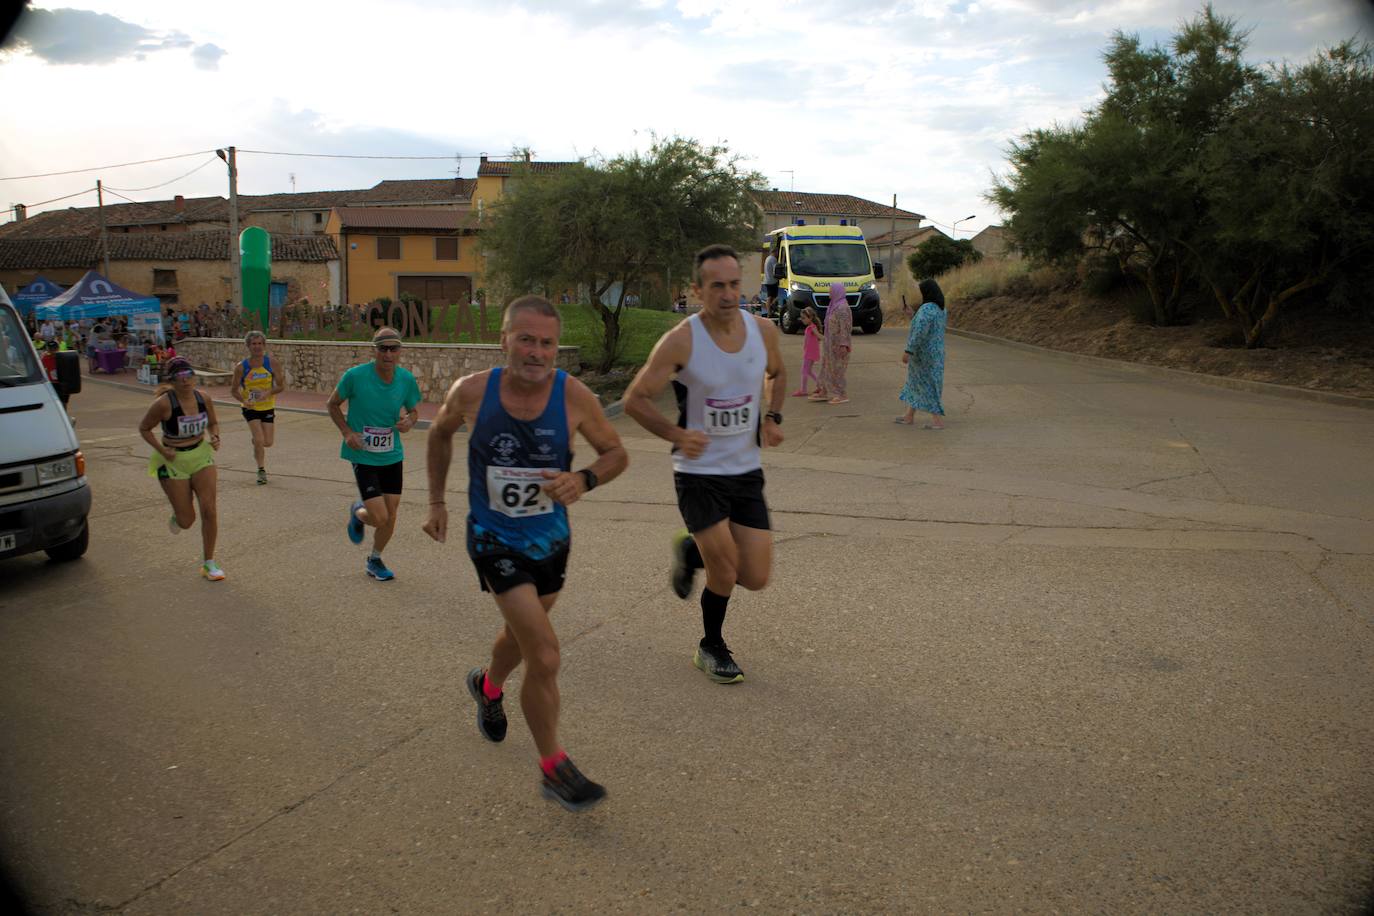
1104 644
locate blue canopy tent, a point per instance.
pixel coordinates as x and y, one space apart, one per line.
95 297
36 293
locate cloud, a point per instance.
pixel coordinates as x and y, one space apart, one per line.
70 36
207 56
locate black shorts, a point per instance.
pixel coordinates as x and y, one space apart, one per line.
501 572
705 499
377 479
770 290
266 416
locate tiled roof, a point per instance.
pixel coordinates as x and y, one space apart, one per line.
210 245
421 190
403 218
903 236
78 221
74 222
506 169
829 204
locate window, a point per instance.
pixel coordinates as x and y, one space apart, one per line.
164 279
388 248
821 221
319 218
446 249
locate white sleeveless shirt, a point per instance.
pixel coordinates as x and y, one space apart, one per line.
722 394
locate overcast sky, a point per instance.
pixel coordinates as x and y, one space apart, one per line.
917 98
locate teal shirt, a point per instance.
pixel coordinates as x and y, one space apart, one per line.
373 409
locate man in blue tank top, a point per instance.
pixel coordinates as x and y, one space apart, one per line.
522 418
730 384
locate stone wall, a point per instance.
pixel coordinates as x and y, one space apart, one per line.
315 365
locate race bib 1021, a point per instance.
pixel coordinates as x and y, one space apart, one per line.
728 416
379 438
517 492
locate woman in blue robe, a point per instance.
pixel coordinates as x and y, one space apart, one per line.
924 358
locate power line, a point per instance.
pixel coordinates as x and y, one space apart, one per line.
129 199
53 201
102 167
165 183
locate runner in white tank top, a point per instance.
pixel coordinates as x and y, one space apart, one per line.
721 393
730 384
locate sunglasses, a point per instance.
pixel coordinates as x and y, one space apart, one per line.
389 348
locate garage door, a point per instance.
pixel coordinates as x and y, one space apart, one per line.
436 292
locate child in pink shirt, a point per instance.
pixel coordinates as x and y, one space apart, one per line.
811 351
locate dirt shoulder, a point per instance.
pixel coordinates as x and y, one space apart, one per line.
1335 356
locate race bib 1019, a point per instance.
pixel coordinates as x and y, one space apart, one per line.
728 416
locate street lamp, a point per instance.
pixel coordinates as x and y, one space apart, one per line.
954 231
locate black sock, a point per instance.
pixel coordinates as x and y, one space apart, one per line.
713 616
693 555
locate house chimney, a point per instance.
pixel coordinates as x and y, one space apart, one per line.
180 203
20 211
484 159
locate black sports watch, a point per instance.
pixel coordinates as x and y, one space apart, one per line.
589 478
774 416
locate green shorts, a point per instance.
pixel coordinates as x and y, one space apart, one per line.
184 465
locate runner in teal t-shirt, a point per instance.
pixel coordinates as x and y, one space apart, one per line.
382 399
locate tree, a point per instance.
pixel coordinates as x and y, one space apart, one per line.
939 254
637 216
1289 192
1126 181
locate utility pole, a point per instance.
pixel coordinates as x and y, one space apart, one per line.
235 280
892 247
104 239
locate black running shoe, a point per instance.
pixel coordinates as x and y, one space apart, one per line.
571 789
491 718
718 664
682 573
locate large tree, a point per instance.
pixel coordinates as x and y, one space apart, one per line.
621 222
1199 170
1288 188
1125 181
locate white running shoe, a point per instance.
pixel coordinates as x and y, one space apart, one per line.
210 570
172 525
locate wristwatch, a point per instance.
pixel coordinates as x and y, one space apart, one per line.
589 478
774 416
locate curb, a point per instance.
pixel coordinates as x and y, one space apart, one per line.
1217 381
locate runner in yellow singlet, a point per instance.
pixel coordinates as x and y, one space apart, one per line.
257 381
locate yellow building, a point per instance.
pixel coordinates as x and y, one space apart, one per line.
386 252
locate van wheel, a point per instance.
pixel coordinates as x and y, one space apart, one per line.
874 326
791 320
74 548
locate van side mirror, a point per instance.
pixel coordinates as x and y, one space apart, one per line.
878 270
69 371
780 272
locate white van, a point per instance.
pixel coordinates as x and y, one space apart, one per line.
44 496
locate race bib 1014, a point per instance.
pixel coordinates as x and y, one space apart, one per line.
189 425
517 492
728 416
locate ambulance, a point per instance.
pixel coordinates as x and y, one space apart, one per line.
810 258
